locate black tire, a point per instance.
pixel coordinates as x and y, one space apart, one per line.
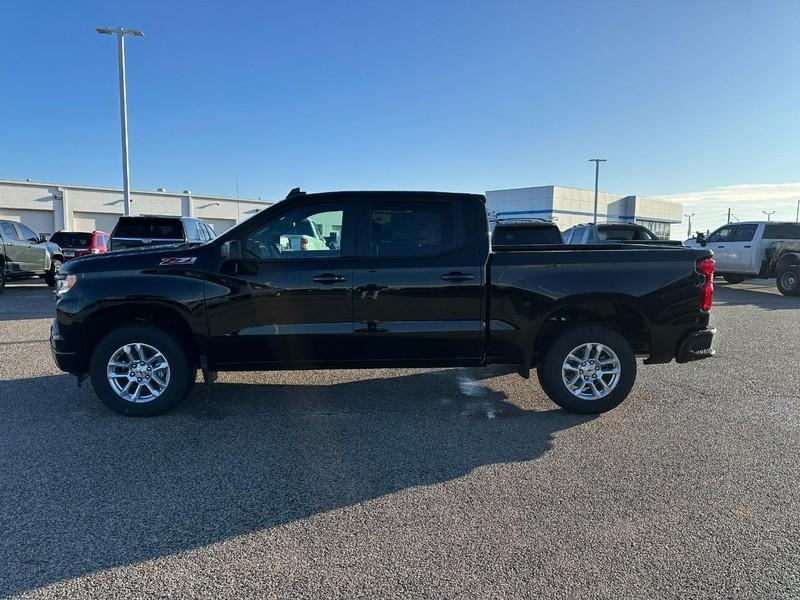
734 278
50 276
181 377
788 281
552 381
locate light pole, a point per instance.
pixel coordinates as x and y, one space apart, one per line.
797 217
769 214
596 162
123 107
690 215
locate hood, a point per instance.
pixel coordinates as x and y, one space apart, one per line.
143 257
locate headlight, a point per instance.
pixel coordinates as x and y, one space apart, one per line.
64 283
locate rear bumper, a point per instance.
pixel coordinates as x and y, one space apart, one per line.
65 360
696 346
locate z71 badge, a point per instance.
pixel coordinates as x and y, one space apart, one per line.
178 260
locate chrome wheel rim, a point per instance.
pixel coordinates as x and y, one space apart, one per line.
591 371
138 373
789 280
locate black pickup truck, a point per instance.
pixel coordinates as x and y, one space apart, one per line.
404 279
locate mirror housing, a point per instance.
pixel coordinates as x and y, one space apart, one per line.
42 238
701 238
232 250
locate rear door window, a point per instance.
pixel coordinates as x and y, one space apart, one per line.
412 229
9 231
745 233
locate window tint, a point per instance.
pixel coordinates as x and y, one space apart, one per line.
28 233
721 235
744 233
304 232
782 231
211 233
71 239
149 228
9 231
623 233
567 235
412 228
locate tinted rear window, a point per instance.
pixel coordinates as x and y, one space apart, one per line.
72 239
621 233
522 235
151 229
782 231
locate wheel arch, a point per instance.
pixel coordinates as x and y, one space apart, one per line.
790 259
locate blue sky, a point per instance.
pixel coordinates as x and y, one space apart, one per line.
680 97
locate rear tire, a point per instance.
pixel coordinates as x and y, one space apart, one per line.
50 276
121 346
734 278
558 368
788 281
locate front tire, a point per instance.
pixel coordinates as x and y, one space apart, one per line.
50 276
141 371
588 370
788 281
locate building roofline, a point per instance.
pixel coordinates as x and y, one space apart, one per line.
140 192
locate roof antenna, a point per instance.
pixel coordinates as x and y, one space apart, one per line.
295 192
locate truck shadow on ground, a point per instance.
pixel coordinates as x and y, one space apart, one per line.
82 489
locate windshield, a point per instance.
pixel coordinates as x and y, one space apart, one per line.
148 228
72 239
623 233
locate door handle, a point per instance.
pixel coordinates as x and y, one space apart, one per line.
328 278
456 276
748 246
720 246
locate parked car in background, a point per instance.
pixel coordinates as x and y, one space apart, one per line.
524 232
133 232
79 243
304 235
24 253
603 233
756 249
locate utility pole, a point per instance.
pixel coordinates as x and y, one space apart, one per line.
769 214
729 215
123 107
797 217
690 215
596 162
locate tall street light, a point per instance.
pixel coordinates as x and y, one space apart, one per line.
596 162
690 215
120 32
769 214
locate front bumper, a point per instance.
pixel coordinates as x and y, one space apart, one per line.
696 346
65 360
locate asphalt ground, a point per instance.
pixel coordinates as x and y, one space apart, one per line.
450 483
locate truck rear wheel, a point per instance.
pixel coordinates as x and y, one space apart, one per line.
141 371
50 276
788 281
734 278
588 370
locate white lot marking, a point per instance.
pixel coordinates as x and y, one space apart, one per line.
470 387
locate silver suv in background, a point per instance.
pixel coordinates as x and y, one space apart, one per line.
604 233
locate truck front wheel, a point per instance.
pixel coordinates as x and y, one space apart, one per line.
588 370
141 371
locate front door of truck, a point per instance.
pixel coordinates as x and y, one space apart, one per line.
742 249
35 254
719 243
418 284
284 305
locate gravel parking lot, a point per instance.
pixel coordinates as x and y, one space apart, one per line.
403 483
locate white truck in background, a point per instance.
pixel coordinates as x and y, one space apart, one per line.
756 249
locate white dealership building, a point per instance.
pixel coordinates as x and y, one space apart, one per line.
50 207
568 206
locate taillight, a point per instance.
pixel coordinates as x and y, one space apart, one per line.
303 243
705 266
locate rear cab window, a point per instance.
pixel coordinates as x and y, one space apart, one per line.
72 239
622 233
782 231
149 228
520 235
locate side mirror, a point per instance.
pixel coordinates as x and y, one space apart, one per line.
701 238
42 238
232 250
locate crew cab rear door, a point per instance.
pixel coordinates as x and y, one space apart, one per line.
418 282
